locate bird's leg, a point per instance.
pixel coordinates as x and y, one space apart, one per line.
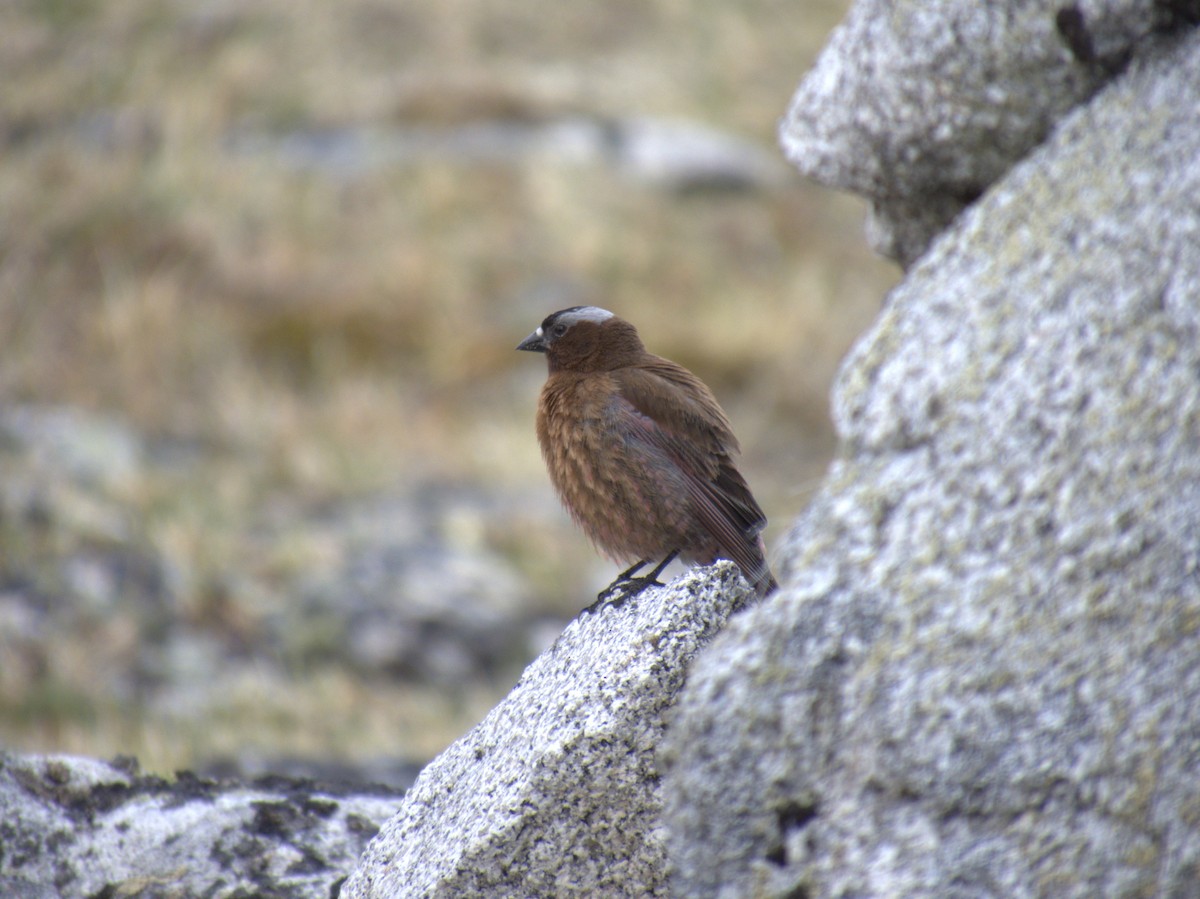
621 580
629 572
652 577
627 585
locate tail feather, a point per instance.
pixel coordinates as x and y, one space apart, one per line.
765 584
758 572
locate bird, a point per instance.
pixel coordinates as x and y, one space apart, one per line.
641 454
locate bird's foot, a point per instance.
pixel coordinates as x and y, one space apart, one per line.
621 589
627 585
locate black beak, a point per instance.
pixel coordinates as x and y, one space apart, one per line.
534 343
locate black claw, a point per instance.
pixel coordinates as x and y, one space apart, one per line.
617 592
627 586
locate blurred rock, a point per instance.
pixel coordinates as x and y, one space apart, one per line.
409 592
98 631
21 888
402 586
556 792
127 130
982 677
368 776
78 827
676 156
81 446
920 107
74 559
684 156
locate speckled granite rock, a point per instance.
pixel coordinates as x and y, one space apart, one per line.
556 792
983 675
79 827
921 106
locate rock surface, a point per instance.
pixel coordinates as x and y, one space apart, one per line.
78 827
982 677
556 792
921 106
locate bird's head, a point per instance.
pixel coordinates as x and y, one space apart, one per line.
584 339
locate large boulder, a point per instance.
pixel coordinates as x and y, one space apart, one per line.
556 793
982 677
921 106
79 827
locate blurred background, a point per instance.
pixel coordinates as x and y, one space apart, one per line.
269 487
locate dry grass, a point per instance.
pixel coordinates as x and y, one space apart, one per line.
332 337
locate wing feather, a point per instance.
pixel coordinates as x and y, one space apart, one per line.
676 417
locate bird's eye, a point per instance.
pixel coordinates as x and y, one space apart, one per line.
559 330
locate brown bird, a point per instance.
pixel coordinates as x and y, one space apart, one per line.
640 452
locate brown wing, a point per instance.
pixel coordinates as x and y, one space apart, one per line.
673 413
